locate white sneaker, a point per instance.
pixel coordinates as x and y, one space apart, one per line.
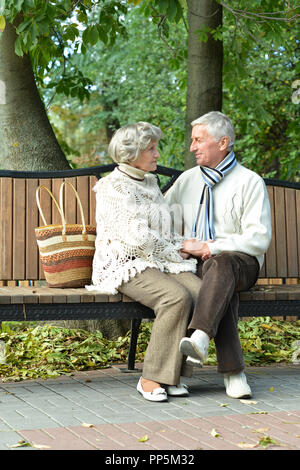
236 386
193 362
180 390
196 346
158 394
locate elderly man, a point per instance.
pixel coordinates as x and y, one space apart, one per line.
226 221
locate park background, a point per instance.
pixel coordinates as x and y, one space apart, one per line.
75 71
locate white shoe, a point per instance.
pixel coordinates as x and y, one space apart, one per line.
196 346
193 362
158 394
236 386
180 390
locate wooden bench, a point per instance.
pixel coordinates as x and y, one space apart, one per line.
23 297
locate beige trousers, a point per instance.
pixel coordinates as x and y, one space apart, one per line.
172 297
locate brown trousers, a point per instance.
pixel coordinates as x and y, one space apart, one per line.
172 297
216 310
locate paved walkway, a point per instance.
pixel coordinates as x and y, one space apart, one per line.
102 410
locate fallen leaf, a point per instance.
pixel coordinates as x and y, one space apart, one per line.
290 422
249 402
246 445
21 444
144 438
267 440
261 430
271 389
224 404
87 425
214 433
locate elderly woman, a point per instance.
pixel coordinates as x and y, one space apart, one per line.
138 255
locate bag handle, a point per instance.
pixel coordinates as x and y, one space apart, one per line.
61 207
38 201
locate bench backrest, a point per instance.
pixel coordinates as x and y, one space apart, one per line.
19 256
282 259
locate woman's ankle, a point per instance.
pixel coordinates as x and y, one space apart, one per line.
149 385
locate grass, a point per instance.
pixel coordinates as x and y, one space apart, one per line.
33 351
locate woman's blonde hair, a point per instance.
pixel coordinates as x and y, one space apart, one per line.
128 141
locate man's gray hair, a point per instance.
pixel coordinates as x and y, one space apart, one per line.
218 126
128 141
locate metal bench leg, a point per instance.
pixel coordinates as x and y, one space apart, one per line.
135 325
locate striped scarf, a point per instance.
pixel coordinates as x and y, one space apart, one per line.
203 227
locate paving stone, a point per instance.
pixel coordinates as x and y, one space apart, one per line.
51 412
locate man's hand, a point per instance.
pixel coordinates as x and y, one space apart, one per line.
197 248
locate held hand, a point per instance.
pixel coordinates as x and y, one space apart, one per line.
197 248
184 255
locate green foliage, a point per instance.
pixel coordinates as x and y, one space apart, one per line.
260 67
34 351
129 58
53 32
130 83
264 341
48 351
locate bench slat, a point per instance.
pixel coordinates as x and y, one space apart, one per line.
32 220
19 217
280 227
70 202
6 253
82 185
46 205
52 295
292 245
273 292
56 183
81 295
270 257
92 200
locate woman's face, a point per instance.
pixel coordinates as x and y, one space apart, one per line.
148 158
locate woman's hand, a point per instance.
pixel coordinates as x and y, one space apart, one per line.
184 255
197 248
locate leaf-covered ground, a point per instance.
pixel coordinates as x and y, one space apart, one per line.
35 351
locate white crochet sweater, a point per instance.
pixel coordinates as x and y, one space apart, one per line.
133 230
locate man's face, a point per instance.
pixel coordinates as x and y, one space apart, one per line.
207 151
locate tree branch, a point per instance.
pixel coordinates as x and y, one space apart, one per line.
264 15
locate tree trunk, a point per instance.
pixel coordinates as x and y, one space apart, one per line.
205 59
27 139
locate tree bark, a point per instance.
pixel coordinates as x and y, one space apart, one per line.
27 139
205 60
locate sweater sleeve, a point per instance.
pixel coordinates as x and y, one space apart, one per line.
256 230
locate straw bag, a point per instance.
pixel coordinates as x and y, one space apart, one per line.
66 250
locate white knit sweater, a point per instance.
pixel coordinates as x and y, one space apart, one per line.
133 230
242 217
